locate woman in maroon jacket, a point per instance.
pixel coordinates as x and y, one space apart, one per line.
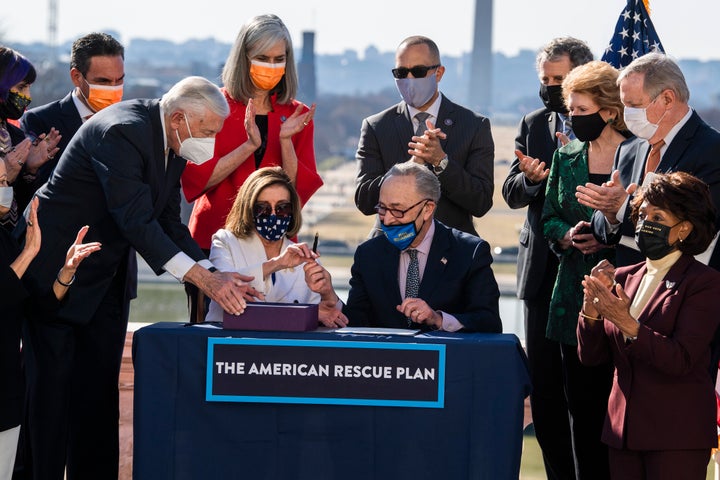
656 320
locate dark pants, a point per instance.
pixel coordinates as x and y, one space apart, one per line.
73 400
587 390
547 400
658 464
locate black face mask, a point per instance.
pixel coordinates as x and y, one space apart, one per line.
551 96
587 127
652 239
14 106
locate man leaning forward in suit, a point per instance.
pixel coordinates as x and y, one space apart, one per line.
120 174
655 95
420 273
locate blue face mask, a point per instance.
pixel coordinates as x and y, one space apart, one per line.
417 91
272 227
401 235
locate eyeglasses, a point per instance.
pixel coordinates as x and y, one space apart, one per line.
283 209
396 212
418 71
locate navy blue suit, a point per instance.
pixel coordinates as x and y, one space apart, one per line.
695 150
64 117
457 280
112 177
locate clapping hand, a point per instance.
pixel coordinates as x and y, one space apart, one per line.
533 168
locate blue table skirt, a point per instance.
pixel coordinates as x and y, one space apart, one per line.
178 435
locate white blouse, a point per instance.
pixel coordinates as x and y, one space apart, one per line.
246 256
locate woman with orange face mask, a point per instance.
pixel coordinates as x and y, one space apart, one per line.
266 127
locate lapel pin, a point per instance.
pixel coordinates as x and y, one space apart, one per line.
443 260
448 122
669 284
283 118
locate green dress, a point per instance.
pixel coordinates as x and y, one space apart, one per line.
561 212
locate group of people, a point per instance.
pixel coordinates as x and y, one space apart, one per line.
103 179
620 180
114 171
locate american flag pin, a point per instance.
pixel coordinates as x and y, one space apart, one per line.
669 284
443 260
448 122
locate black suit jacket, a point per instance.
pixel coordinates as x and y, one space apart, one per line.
467 182
457 279
64 117
695 150
112 177
536 138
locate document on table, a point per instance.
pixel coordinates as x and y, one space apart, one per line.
378 331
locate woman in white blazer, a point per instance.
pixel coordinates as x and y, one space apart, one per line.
256 242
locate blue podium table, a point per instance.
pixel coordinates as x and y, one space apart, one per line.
179 435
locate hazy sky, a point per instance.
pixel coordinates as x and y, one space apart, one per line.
687 28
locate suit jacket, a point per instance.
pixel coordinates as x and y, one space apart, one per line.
695 150
112 177
61 114
467 182
666 369
247 255
561 212
536 265
457 279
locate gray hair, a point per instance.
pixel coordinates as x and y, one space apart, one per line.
661 73
577 50
426 182
195 95
256 37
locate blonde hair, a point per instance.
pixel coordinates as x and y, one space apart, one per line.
240 220
598 80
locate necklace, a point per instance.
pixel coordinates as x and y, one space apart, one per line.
5 141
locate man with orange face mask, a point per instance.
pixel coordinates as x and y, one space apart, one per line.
97 69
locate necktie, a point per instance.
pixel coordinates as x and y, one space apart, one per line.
412 284
421 117
653 158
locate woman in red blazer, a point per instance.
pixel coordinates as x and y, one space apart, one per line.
266 127
656 320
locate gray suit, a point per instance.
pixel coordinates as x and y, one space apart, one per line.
467 182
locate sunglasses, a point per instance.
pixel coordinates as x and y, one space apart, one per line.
283 209
418 71
396 212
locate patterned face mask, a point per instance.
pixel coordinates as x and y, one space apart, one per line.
272 227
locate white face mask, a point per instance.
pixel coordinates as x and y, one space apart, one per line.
196 150
6 197
637 122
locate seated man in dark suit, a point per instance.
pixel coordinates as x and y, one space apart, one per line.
669 136
420 273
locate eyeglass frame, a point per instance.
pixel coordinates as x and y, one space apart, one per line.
268 209
402 72
393 211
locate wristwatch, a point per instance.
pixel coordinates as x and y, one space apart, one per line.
441 166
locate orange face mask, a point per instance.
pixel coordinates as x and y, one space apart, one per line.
266 76
102 96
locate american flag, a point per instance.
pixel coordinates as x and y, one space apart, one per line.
634 36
